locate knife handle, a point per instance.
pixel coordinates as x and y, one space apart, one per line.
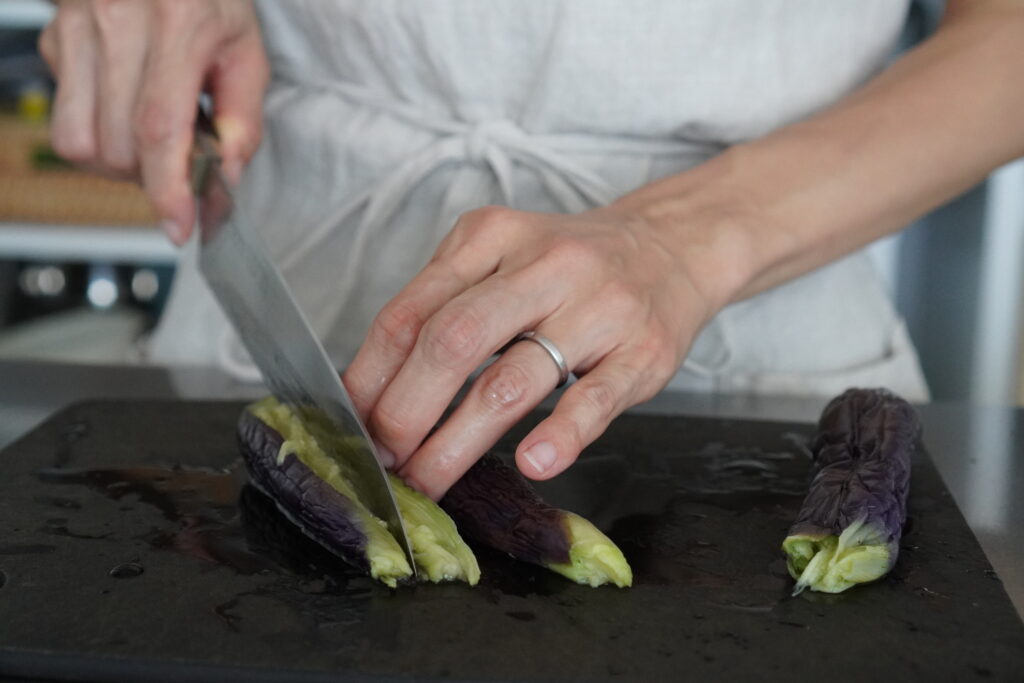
205 150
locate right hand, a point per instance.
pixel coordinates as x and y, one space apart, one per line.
129 74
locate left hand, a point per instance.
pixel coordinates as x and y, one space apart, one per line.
607 287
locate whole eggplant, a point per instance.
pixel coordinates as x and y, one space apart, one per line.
849 526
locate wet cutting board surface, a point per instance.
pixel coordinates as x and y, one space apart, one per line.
131 549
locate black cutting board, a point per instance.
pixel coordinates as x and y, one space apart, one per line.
125 555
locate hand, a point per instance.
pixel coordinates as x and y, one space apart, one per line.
604 286
129 74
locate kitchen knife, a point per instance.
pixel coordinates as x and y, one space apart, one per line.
295 367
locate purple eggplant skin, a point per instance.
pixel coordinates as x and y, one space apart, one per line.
308 501
861 467
494 505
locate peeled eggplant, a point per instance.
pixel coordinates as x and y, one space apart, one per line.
313 489
849 527
494 505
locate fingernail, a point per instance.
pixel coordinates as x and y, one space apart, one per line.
541 455
172 230
387 458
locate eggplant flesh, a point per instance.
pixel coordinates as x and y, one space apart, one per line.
494 505
438 549
849 526
313 488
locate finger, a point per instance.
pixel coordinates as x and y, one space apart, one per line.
582 415
237 83
121 29
73 124
395 330
164 116
460 263
503 393
453 343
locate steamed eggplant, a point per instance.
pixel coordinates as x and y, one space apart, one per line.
494 505
849 527
313 489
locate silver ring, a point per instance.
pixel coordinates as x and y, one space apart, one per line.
549 346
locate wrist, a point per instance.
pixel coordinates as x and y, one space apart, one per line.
710 223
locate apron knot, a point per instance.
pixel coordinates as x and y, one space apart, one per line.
484 136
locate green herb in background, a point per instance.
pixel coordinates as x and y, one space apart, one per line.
45 159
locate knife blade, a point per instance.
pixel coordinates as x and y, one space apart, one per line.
259 305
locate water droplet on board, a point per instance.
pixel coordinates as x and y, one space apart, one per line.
127 570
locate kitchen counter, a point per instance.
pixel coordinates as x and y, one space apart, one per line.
978 450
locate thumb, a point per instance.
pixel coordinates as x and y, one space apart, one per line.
237 84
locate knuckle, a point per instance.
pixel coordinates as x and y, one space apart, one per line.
504 387
476 233
454 337
113 18
175 12
398 326
72 23
388 427
571 435
153 123
486 222
488 216
601 397
619 297
658 351
108 13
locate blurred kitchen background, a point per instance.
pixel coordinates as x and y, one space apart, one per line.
84 274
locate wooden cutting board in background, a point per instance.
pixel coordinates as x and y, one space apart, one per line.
36 189
124 555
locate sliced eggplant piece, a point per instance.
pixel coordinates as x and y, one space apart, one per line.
309 488
494 505
849 526
314 490
438 549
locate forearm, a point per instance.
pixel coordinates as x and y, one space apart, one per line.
920 133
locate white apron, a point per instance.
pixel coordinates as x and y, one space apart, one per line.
386 119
